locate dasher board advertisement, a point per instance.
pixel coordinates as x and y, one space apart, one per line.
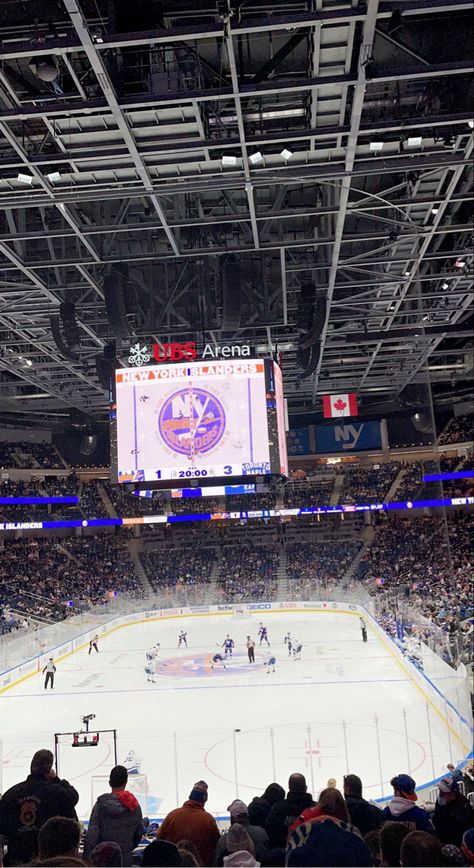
199 420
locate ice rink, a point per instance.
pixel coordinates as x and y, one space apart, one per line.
345 706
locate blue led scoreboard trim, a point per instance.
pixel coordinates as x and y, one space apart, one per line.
224 516
11 501
457 474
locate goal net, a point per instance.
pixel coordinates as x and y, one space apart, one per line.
136 784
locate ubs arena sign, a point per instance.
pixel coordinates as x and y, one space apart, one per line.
176 352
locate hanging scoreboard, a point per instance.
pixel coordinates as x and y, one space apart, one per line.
203 420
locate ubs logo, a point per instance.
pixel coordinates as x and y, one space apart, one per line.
191 422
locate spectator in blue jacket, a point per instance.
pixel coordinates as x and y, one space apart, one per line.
402 808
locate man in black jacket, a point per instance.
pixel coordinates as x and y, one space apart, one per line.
283 813
363 815
25 807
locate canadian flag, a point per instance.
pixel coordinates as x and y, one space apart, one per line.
339 405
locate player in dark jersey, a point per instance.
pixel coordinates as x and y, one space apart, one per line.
262 632
228 644
218 658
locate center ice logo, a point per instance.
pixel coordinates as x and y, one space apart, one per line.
191 422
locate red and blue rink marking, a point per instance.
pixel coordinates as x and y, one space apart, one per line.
199 665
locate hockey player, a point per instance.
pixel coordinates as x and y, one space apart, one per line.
289 643
182 639
94 643
297 648
50 669
270 662
250 649
132 763
150 656
150 672
228 645
218 658
262 632
363 628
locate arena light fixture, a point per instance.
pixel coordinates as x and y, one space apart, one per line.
471 124
435 209
460 263
407 273
445 284
286 154
24 179
376 147
229 161
256 158
53 177
414 141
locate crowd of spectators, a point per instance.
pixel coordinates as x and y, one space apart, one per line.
311 492
458 431
40 577
128 505
174 568
22 453
365 484
311 565
335 827
92 505
248 572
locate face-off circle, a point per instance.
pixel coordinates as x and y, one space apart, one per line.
192 421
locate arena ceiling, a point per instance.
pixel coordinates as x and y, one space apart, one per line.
321 149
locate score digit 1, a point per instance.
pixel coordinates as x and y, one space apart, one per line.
158 474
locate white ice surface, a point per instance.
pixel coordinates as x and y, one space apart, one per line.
337 710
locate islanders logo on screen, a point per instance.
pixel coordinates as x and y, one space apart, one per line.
191 421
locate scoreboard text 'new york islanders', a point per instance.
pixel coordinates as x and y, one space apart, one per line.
200 420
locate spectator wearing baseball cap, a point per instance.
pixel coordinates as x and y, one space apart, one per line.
402 808
193 822
239 814
453 815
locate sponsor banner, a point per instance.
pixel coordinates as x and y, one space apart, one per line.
224 608
6 680
348 437
260 606
288 605
195 609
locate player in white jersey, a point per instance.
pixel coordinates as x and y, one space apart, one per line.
182 639
289 643
228 645
270 661
297 648
150 672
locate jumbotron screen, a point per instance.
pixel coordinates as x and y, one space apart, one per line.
200 420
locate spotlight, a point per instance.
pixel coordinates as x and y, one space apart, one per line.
445 284
286 154
460 263
24 179
53 177
407 273
435 209
376 147
471 124
256 158
414 141
45 67
229 160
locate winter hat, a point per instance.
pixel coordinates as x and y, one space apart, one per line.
199 792
106 854
445 786
406 785
236 808
238 839
160 853
240 859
